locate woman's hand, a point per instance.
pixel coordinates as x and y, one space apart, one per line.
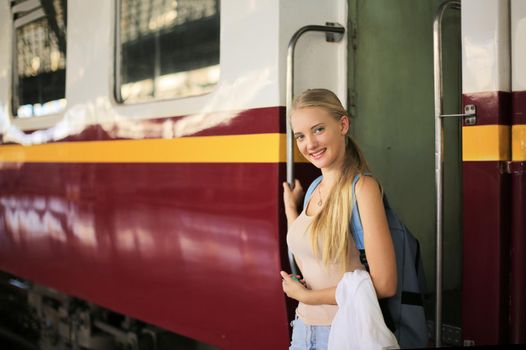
292 199
293 289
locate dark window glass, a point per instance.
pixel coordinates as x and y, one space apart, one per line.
39 62
167 49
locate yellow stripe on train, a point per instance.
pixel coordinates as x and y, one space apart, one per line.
486 142
255 148
518 142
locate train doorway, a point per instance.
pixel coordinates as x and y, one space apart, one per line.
391 103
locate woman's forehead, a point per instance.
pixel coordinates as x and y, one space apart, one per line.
310 116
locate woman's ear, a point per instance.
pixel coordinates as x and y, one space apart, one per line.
344 124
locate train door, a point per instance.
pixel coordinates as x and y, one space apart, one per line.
518 167
493 162
391 94
486 153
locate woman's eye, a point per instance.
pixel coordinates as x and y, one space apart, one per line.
318 130
299 137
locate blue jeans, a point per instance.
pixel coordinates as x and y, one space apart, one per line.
306 337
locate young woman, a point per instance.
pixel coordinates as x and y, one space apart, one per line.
319 236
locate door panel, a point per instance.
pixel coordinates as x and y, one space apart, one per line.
391 82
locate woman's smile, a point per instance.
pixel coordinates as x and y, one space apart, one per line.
318 153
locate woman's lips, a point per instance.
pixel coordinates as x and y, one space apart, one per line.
318 154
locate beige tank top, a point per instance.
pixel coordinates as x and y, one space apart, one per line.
316 275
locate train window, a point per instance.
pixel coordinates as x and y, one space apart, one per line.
166 49
39 57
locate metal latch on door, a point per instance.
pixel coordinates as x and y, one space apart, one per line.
470 115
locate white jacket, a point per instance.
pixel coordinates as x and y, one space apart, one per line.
359 323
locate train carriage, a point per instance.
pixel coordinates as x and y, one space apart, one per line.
144 143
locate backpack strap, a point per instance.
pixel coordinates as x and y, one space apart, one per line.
356 223
311 189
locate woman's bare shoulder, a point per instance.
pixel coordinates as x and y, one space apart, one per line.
367 188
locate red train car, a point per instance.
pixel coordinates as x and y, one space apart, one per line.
144 143
142 160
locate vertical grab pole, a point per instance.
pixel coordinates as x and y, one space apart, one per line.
333 33
439 159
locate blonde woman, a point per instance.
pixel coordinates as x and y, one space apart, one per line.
319 236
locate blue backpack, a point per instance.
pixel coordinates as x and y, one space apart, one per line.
403 312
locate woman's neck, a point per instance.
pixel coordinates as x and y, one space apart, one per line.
330 177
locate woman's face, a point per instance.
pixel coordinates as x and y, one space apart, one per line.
320 137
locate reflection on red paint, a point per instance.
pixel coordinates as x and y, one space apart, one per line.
188 247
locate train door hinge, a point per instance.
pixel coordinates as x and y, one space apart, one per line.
353 30
351 102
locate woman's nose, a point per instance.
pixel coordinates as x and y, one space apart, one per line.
312 143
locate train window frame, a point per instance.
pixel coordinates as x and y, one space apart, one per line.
117 66
34 12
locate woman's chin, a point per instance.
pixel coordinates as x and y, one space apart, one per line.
318 163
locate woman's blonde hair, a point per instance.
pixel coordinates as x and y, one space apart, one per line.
331 225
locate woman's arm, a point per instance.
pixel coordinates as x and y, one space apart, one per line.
377 237
320 296
292 200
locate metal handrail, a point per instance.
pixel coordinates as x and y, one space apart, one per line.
333 33
469 119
